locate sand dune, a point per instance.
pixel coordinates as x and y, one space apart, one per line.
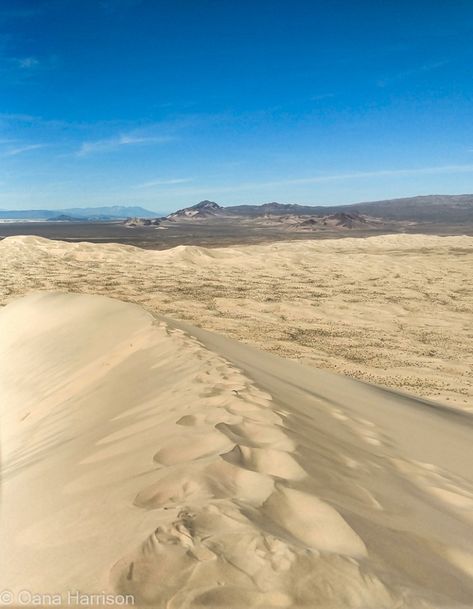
394 310
151 458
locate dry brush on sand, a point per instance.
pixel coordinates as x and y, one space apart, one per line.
393 310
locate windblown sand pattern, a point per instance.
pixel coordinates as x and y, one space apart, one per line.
137 460
394 310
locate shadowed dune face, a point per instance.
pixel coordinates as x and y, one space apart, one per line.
136 460
393 310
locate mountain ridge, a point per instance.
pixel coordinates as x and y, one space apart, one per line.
429 208
113 212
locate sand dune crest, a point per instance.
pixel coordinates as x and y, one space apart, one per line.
137 460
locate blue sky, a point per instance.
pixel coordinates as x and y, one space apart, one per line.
165 103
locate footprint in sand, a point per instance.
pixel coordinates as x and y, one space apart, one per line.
183 448
258 435
199 483
312 522
275 463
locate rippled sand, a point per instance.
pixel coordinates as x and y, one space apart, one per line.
148 458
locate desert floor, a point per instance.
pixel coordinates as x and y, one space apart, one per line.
395 310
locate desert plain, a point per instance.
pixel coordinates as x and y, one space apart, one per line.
395 310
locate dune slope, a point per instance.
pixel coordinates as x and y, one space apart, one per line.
198 472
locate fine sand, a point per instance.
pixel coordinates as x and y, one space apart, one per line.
395 310
147 457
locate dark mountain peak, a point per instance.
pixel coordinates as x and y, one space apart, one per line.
206 205
204 209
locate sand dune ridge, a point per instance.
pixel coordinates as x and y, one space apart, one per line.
209 490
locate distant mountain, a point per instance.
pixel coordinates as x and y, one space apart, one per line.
207 209
275 209
346 220
74 214
431 208
29 214
65 218
340 220
115 211
204 209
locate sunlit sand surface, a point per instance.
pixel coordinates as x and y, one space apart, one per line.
146 457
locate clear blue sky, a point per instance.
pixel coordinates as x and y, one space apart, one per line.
165 103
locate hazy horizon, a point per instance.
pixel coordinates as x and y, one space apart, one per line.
192 203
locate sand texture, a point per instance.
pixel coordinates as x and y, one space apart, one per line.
147 457
395 310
